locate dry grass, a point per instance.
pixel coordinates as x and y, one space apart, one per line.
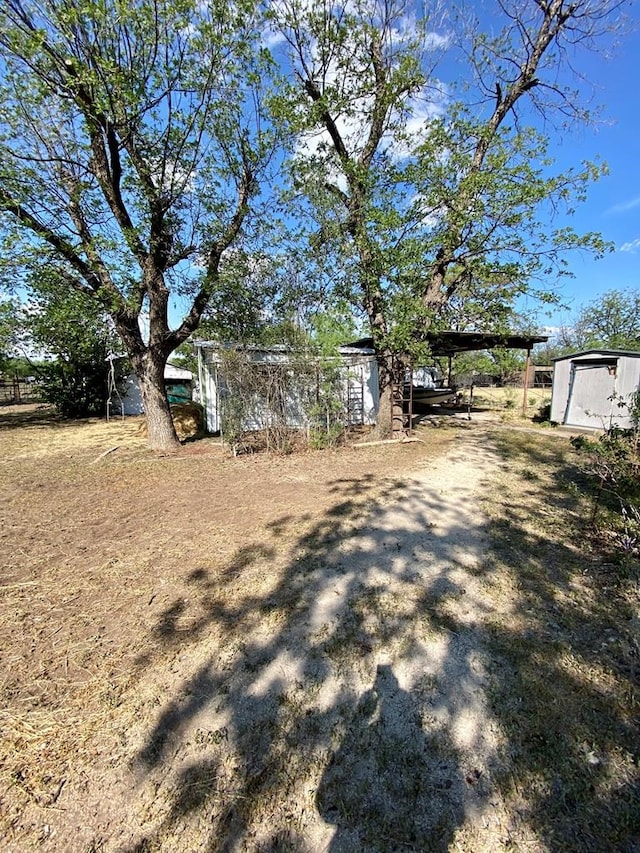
566 657
509 400
121 570
143 597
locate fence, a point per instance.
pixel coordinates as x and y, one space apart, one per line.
18 391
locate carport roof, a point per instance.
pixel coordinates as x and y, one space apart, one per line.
451 342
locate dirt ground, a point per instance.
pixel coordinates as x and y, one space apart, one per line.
261 653
117 566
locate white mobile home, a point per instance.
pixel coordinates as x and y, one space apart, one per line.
594 388
357 384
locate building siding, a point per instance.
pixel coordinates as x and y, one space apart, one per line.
593 388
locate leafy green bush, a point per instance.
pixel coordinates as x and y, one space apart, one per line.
77 389
613 464
543 414
72 335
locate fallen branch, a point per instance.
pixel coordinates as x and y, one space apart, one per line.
106 453
405 440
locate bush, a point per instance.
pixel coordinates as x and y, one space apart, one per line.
613 464
78 389
543 414
283 400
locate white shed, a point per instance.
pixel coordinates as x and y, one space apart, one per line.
594 388
128 401
358 383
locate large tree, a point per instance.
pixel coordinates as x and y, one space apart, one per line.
611 321
425 190
131 146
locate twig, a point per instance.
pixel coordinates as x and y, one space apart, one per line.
405 440
106 453
58 791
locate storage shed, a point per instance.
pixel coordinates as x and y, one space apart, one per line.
128 400
594 388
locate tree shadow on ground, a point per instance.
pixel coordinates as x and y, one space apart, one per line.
325 703
348 703
565 667
30 416
388 783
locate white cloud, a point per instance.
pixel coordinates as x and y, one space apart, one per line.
404 32
354 125
436 41
272 38
427 106
624 206
339 72
632 246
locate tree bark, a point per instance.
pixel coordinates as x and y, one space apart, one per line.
383 428
161 433
390 420
148 362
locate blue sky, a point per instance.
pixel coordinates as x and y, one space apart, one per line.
613 204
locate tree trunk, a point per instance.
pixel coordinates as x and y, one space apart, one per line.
148 362
390 421
384 428
161 433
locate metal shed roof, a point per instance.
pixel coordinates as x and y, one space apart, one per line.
599 352
171 371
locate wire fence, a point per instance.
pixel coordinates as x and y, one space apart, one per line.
16 390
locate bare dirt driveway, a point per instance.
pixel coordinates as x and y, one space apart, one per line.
264 653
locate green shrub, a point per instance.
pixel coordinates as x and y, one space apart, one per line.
543 415
612 462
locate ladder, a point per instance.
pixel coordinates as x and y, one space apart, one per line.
355 399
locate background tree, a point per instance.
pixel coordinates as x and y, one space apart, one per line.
71 336
424 192
331 328
260 298
131 145
612 321
8 329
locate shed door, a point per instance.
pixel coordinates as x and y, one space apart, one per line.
592 386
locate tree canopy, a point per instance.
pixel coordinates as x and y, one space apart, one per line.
611 321
7 331
70 335
425 189
132 144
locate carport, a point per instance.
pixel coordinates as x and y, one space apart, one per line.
448 343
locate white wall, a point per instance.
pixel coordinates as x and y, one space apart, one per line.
132 396
360 375
361 381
